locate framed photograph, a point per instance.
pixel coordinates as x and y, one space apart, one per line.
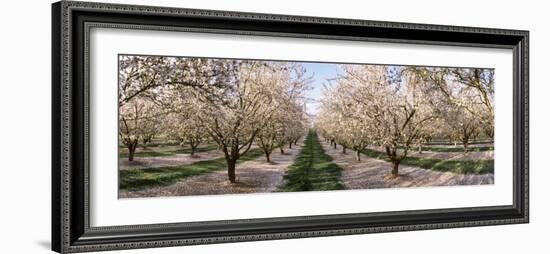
181 126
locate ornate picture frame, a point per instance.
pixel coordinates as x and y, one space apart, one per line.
71 24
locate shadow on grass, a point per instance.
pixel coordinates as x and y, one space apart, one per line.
313 169
459 167
139 179
457 149
187 150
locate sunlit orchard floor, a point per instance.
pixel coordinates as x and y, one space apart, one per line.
459 145
460 156
374 173
166 156
166 161
254 176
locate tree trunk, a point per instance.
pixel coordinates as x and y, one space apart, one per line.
281 149
131 151
344 149
395 169
419 148
267 156
358 155
194 143
231 170
290 145
334 143
145 144
465 143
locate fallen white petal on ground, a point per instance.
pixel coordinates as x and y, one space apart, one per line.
167 161
372 173
455 156
459 145
254 176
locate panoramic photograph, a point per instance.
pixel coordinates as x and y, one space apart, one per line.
211 126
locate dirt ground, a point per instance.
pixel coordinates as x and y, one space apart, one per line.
256 176
456 156
166 161
373 173
459 145
253 176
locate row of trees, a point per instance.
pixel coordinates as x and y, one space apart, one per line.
400 107
234 103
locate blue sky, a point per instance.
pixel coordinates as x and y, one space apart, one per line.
321 73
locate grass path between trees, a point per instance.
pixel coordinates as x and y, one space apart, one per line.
372 173
139 179
457 149
253 176
454 166
313 169
186 150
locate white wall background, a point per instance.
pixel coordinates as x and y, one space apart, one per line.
25 125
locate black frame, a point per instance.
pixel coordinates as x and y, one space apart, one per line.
71 22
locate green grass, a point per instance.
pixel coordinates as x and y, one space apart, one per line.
313 169
459 167
456 149
155 144
147 154
474 142
139 179
186 150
